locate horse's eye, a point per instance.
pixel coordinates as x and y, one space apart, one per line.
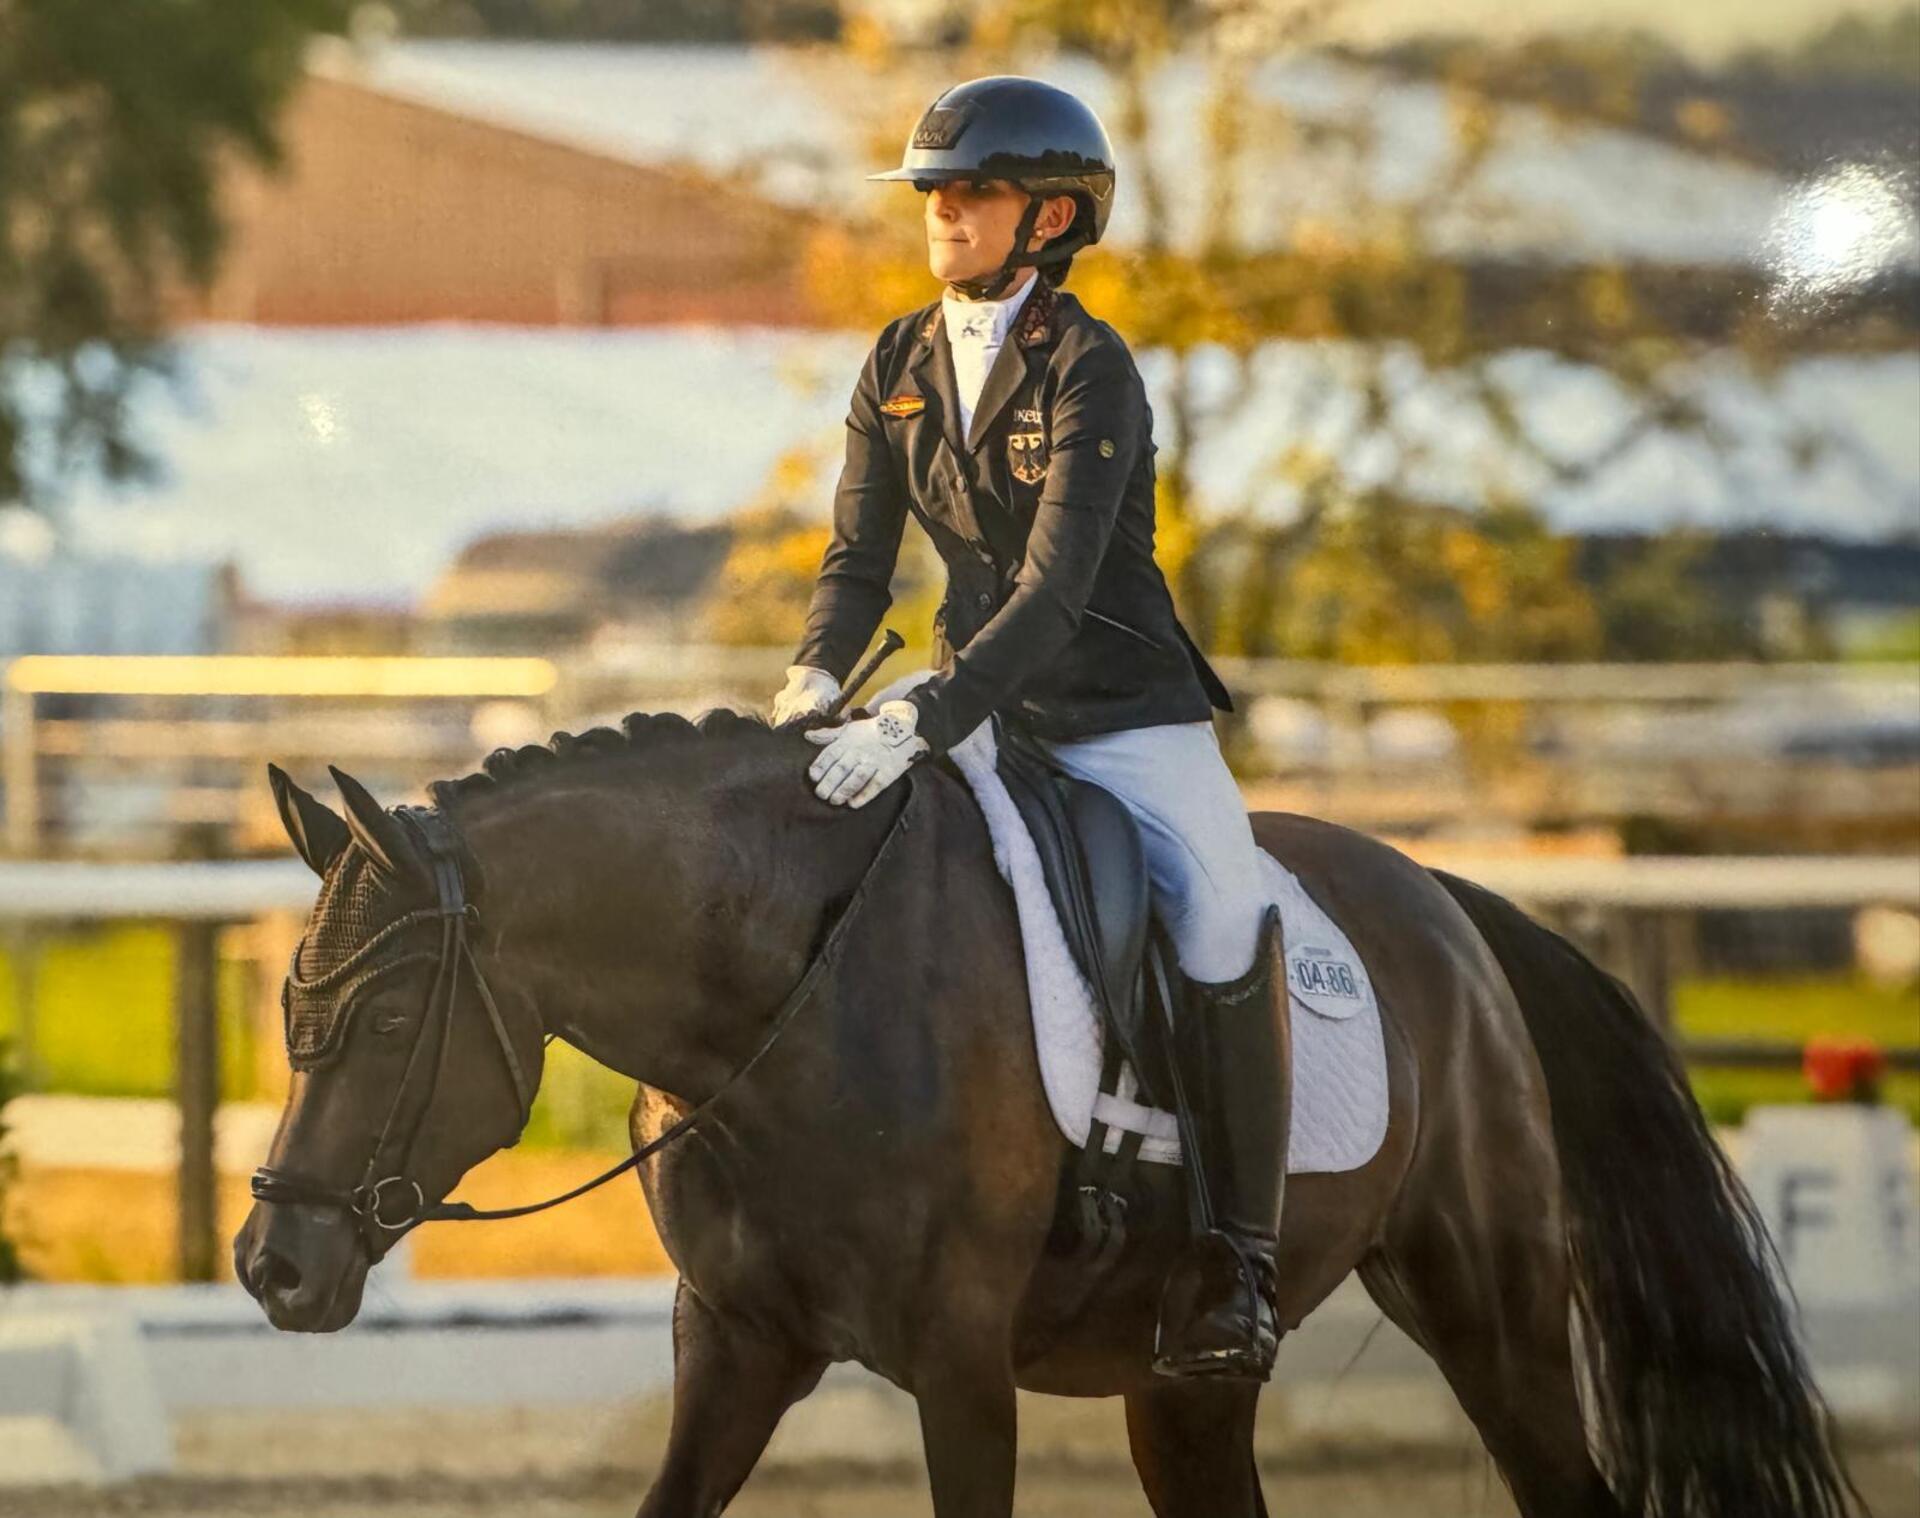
389 1022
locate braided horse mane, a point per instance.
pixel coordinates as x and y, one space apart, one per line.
637 736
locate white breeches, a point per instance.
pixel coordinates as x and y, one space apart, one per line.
1204 864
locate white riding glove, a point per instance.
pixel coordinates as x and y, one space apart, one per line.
807 692
861 759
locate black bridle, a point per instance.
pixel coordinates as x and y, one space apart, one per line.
386 1178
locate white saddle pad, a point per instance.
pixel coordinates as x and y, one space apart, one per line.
1339 1054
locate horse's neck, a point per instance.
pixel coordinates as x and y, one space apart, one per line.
662 950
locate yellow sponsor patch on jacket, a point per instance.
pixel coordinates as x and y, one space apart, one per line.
905 405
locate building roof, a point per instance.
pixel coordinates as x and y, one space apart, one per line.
780 122
581 572
358 464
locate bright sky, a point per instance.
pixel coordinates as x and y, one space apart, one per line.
1705 27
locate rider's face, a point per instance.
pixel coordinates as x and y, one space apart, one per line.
970 226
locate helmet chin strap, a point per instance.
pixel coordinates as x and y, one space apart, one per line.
995 285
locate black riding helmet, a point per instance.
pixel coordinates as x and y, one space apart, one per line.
1031 134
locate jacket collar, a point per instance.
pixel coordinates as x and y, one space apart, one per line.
932 366
1036 329
1033 332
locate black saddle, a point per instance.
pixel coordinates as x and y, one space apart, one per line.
1096 873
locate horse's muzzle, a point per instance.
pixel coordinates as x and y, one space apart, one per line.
303 1265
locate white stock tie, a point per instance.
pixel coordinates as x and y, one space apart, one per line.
976 332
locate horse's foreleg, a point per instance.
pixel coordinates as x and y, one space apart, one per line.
730 1388
967 1422
1193 1446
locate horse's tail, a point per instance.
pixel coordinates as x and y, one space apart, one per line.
1705 1405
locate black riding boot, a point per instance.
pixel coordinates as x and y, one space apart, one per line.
1234 1046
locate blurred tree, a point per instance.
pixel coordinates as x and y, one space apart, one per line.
113 121
759 598
760 595
1654 604
1853 45
1607 70
1843 90
1389 580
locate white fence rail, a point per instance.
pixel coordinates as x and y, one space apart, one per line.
234 890
213 890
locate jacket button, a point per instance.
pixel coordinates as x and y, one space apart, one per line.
985 600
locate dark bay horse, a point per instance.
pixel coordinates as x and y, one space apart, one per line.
879 1185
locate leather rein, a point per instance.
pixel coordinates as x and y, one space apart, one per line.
388 1203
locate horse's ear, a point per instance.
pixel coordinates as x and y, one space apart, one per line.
375 829
315 830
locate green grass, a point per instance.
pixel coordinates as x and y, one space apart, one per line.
1792 1011
1797 1009
1896 641
104 1014
582 1105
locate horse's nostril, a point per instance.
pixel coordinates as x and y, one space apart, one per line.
277 1274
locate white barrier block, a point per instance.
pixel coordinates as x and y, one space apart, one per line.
77 1399
1836 1189
38 1451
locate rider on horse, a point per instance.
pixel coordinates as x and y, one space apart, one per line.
1014 426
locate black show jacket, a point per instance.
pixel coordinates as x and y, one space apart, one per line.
1055 611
